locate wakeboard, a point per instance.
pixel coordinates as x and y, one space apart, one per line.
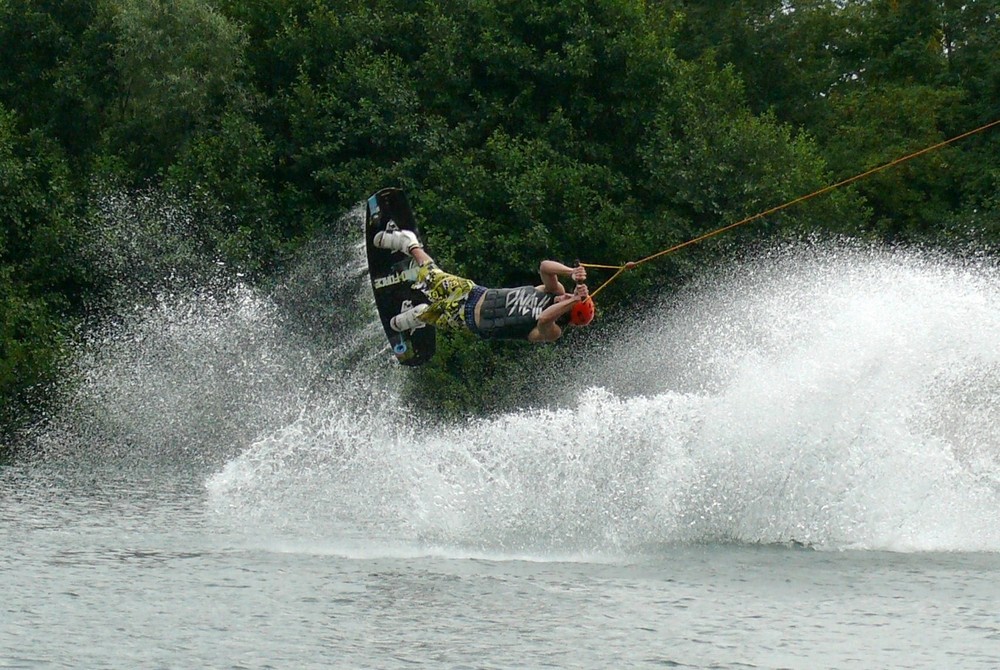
393 274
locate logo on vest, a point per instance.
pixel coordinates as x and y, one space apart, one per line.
525 301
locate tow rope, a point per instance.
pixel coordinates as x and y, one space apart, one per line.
826 189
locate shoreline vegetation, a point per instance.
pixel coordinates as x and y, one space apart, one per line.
602 130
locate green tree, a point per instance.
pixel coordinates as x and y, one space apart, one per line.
604 130
533 131
176 62
40 280
57 68
872 81
226 175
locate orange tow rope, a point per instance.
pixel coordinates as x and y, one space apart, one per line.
826 189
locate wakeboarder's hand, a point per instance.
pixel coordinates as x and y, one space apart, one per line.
579 274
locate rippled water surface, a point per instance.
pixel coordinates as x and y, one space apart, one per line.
144 574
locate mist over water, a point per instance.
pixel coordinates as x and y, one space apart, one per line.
836 397
188 363
847 398
829 395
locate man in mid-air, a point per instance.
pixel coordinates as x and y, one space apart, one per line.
536 313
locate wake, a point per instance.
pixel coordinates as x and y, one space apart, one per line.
828 395
836 397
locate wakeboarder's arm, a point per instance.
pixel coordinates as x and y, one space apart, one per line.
550 272
547 329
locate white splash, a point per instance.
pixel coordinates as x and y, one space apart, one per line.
839 398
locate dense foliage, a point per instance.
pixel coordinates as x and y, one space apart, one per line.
596 129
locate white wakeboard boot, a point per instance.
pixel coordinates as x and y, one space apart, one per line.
397 240
407 320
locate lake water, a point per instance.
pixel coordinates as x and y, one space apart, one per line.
99 572
795 463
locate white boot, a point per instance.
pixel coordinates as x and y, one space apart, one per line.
397 240
407 319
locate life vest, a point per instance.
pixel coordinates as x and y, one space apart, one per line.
511 313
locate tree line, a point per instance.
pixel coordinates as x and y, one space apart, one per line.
522 129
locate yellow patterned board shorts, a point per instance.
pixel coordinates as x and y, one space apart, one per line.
447 294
